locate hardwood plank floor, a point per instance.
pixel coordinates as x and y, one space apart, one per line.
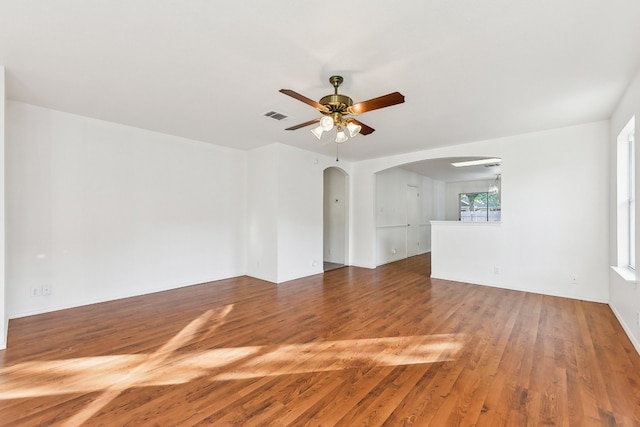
350 347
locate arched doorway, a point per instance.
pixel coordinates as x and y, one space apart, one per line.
409 196
335 214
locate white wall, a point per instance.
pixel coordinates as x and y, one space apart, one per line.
300 213
433 208
4 318
565 235
544 244
391 212
624 295
262 213
467 251
99 211
285 212
439 190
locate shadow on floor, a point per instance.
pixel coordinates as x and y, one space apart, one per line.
331 266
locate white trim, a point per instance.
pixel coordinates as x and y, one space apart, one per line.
626 273
467 223
626 328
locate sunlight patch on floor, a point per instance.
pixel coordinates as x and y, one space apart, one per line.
119 372
346 354
113 374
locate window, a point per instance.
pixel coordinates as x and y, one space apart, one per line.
631 201
626 195
484 206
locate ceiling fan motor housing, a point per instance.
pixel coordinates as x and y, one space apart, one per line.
337 103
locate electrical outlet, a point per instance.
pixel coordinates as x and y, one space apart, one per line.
46 290
34 292
496 270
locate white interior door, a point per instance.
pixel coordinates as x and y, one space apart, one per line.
413 227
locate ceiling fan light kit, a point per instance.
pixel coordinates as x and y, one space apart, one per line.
336 107
340 135
326 124
353 128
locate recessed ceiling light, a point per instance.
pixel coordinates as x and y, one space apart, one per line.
476 162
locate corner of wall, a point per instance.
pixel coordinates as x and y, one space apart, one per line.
3 308
624 298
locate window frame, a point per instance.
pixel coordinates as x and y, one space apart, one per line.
626 198
488 208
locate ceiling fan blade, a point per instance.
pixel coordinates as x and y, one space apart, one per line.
375 103
364 129
301 125
304 99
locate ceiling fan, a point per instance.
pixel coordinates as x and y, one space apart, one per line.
336 109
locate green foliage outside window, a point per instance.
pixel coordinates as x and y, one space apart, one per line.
483 206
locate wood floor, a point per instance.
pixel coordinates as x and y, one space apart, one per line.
351 347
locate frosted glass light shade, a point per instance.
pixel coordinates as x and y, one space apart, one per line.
317 131
326 123
341 136
353 129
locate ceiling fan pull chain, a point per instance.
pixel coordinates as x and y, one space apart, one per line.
337 147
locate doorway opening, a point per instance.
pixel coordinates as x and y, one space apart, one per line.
335 214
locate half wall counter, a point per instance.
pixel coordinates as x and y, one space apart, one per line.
468 252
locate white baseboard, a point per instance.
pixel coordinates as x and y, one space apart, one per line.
626 328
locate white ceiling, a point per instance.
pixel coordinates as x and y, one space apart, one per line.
209 70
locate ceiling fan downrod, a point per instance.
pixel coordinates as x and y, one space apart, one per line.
336 81
336 102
